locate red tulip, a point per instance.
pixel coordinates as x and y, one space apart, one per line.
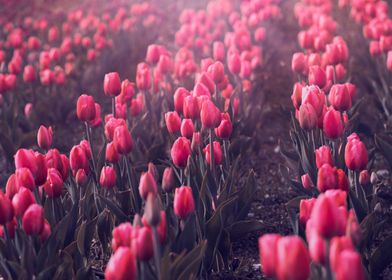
78 159
327 178
24 178
338 245
234 63
196 141
293 260
112 84
44 137
11 188
218 50
6 210
299 63
317 76
179 97
210 115
22 200
46 232
168 180
268 253
325 217
142 243
296 96
108 177
85 108
343 183
153 53
306 181
314 96
26 158
187 128
218 156
147 185
307 117
190 107
355 153
143 79
323 156
317 247
54 183
121 265
364 178
183 204
339 97
33 220
350 266
332 124
225 127
173 122
81 177
29 74
305 209
122 140
217 72
121 236
180 152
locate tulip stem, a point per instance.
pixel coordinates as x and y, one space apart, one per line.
212 167
157 253
328 275
313 141
130 185
90 142
114 107
226 155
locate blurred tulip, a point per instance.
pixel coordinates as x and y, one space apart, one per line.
85 108
268 253
307 117
33 220
147 185
122 140
121 265
112 84
108 177
218 155
183 204
323 156
327 178
121 236
350 266
305 209
173 122
6 210
44 137
306 181
325 216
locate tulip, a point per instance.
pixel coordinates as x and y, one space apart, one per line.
142 243
6 210
42 169
325 216
11 187
153 53
24 178
314 96
327 178
147 185
122 140
112 84
26 158
152 209
323 156
338 196
338 244
225 127
46 232
78 159
307 117
340 98
85 108
190 107
332 124
364 178
168 179
97 119
54 183
292 258
29 74
234 63
268 253
306 181
317 76
121 236
143 79
173 122
217 72
206 80
33 220
305 209
196 141
350 266
180 152
218 50
343 183
201 90
179 97
218 156
299 63
355 153
44 137
187 128
81 177
389 60
111 153
183 204
210 115
108 177
317 245
121 265
127 91
296 96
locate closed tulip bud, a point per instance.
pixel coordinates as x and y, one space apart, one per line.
323 156
143 79
307 117
196 141
165 64
218 155
306 181
112 84
234 63
42 171
218 50
268 253
340 71
187 128
305 209
179 97
190 107
317 247
183 204
217 72
33 220
44 137
180 152
121 265
153 53
343 183
108 177
147 185
317 76
29 74
46 231
173 122
355 153
210 115
225 128
299 63
6 210
364 178
201 89
350 266
81 177
111 154
64 171
85 108
28 110
11 188
327 178
111 124
78 159
332 124
127 91
325 216
338 196
152 210
54 183
314 96
24 178
292 257
207 82
121 236
168 180
142 243
337 246
340 98
296 96
26 158
122 140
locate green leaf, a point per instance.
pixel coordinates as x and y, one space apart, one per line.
239 229
190 264
85 236
120 215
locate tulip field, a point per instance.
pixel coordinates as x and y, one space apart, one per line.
208 139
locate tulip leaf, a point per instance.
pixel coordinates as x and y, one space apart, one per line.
246 196
47 273
190 264
187 237
358 208
239 229
120 215
85 235
381 257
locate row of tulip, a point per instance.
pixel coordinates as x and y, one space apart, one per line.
186 207
332 162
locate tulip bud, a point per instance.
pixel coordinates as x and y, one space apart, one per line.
327 178
296 96
234 63
112 84
307 117
292 257
332 124
196 141
225 128
306 181
143 79
325 216
173 122
179 97
210 115
350 266
187 128
314 96
26 158
305 209
44 137
337 246
11 188
81 177
78 159
323 156
122 140
142 243
339 97
108 177
218 156
183 204
343 183
299 63
33 220
364 178
111 154
268 253
6 210
121 265
355 153
190 107
46 231
180 152
121 236
24 178
29 74
85 108
317 76
152 209
153 53
168 180
54 183
147 185
217 72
